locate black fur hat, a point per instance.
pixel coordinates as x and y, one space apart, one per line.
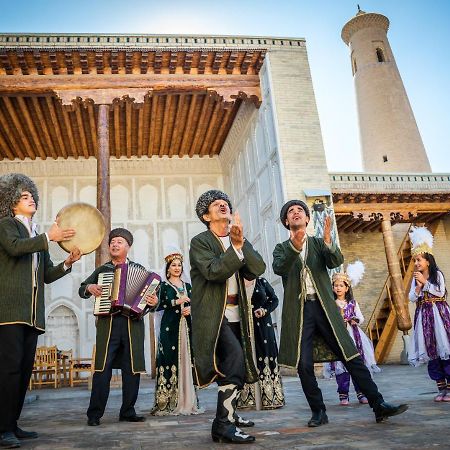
123 233
206 199
286 206
12 185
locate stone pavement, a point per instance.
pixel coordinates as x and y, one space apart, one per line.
59 417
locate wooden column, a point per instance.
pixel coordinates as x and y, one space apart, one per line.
103 180
398 293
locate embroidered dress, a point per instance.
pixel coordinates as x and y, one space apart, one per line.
351 310
174 388
431 335
270 383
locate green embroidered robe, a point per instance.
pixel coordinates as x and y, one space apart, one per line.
168 353
136 330
211 266
289 265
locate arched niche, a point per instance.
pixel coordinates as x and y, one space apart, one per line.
59 199
88 194
148 198
62 329
120 204
177 200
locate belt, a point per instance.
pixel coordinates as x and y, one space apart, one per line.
311 298
431 300
232 300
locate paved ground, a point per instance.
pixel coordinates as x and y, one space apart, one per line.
59 417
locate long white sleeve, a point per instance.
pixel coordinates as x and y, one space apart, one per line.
358 313
433 289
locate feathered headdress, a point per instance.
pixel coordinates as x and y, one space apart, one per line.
421 241
352 276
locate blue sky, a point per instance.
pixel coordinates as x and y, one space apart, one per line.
419 36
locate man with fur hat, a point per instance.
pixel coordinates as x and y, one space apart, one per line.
220 260
119 340
25 267
312 327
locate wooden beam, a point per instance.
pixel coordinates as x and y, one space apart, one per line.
83 140
10 136
214 150
140 141
56 126
22 136
93 128
5 147
128 124
205 106
32 128
68 126
44 128
165 124
187 128
387 208
151 137
177 125
117 129
210 129
103 181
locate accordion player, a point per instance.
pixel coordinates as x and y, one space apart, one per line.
125 290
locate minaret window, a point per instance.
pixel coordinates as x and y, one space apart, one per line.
354 67
385 159
380 55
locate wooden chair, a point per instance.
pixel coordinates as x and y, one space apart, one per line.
46 368
79 366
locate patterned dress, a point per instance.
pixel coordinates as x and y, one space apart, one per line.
174 388
270 383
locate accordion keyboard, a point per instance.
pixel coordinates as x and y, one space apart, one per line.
102 304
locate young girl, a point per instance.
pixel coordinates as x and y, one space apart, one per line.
431 335
351 313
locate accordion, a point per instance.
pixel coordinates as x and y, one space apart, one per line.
132 284
102 303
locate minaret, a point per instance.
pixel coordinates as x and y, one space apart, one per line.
390 139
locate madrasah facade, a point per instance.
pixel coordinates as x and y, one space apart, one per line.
144 124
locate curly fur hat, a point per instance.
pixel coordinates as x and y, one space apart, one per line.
12 185
206 199
286 206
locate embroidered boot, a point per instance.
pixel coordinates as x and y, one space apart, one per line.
343 399
362 398
223 427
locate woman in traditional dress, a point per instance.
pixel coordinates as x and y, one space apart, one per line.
264 302
430 342
174 389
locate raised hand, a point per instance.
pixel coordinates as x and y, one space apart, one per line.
74 256
56 234
237 232
420 279
298 238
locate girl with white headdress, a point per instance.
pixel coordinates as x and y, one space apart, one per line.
353 317
174 389
431 335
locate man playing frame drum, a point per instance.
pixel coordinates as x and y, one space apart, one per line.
119 340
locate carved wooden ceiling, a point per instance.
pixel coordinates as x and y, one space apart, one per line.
161 103
364 212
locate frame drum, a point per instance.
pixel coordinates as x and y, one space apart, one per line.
88 223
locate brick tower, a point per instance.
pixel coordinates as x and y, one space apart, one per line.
390 139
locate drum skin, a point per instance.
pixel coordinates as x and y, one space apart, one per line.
88 223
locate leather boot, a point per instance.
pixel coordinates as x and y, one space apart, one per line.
223 428
318 418
385 410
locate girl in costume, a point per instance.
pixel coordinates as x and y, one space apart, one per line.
353 317
174 388
431 335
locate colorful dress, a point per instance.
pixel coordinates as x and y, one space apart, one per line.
270 383
174 388
351 310
431 335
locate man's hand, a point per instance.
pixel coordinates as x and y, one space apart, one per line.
327 230
260 312
151 300
298 238
74 256
57 234
237 232
94 289
186 311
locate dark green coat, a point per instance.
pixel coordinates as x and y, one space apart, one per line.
18 303
211 266
289 265
136 330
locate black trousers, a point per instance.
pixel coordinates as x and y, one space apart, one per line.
119 343
17 351
230 354
315 321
